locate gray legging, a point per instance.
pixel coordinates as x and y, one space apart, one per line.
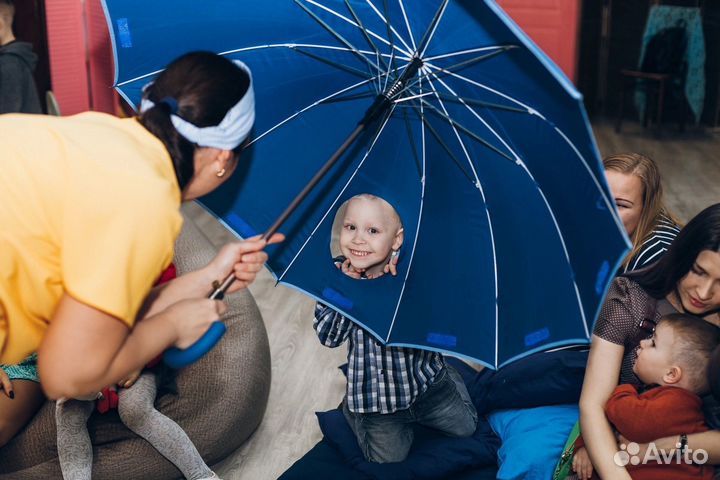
138 413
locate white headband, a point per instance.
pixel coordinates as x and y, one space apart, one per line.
231 131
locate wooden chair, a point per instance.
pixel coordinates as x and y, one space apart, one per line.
655 85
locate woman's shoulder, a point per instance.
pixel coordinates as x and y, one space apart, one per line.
664 223
629 297
624 287
625 304
656 243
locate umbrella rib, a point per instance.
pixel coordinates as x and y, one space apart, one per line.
478 116
337 198
427 37
466 130
549 208
337 65
318 102
417 228
408 127
529 109
465 63
463 52
439 139
532 111
292 46
480 103
407 24
365 33
408 50
487 214
347 98
370 32
337 35
413 97
392 44
387 74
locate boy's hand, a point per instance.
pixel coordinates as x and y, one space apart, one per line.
582 465
6 384
349 270
130 380
391 266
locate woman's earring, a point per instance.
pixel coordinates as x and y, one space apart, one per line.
394 253
220 173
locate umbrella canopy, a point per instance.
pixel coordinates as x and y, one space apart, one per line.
511 237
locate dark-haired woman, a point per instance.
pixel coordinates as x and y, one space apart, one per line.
685 279
89 209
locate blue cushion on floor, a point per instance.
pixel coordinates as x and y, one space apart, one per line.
532 440
432 455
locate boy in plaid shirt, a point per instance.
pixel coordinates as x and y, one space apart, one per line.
389 388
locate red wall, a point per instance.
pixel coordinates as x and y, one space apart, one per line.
81 57
554 25
81 65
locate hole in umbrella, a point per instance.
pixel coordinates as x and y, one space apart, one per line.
366 237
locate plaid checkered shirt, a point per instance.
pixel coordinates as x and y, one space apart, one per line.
380 379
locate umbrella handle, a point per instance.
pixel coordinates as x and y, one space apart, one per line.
178 358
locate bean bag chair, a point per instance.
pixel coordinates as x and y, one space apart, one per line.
220 399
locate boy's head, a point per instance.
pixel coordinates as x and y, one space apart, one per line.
7 12
679 353
371 230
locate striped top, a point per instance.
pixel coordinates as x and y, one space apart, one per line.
380 378
655 244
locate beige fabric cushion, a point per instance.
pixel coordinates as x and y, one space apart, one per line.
221 399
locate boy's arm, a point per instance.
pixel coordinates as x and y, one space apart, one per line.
643 418
332 328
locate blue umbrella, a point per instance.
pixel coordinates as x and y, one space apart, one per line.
449 112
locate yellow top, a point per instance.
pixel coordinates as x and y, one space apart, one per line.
89 205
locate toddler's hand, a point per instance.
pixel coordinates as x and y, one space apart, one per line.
349 270
582 465
6 384
130 380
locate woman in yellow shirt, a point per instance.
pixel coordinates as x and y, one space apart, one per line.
89 216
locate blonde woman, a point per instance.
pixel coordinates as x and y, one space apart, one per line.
635 183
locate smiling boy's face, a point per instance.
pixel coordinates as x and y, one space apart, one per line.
370 231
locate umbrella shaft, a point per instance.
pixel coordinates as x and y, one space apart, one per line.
219 289
311 184
379 107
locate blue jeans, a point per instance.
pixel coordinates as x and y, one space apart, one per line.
444 406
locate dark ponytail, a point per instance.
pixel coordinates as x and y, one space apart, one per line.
202 87
157 121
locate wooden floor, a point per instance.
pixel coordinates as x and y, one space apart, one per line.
305 378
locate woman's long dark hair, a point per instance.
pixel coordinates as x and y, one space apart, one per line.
205 86
701 233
